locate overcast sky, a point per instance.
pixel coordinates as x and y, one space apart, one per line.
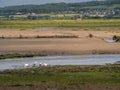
24 2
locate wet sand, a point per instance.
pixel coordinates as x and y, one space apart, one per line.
59 46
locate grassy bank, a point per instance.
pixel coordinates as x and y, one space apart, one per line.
5 56
62 77
23 24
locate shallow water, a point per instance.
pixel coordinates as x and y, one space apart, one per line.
109 40
60 60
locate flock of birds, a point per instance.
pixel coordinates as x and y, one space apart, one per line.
35 64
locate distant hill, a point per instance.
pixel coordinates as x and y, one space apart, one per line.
62 7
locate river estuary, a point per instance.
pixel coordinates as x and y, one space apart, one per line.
60 60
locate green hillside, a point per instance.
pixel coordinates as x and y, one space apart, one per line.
103 6
61 7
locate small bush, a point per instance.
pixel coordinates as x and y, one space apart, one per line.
90 35
20 36
116 38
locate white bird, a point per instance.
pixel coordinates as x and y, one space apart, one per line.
45 64
26 65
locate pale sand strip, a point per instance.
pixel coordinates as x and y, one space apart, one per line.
59 46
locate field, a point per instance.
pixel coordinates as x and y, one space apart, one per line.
40 17
23 24
62 78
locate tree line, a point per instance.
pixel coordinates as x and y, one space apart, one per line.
56 7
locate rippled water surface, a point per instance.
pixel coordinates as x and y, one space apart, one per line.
60 60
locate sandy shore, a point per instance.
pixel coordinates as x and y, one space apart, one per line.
59 46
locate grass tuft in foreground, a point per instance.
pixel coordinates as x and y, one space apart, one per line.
63 77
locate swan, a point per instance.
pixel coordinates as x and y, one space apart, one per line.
26 65
45 64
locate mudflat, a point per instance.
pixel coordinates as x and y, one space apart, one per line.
83 44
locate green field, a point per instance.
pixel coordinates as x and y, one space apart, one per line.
21 24
62 76
60 80
40 17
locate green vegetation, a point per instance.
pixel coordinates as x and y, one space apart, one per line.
62 76
18 55
60 11
40 17
60 7
103 6
59 80
22 24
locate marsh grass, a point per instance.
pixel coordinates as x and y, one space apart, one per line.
39 36
61 76
63 79
59 23
19 55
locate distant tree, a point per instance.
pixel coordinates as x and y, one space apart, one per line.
32 17
56 7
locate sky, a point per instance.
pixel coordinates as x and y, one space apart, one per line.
26 2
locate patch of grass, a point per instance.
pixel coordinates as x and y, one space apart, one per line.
19 55
60 23
62 76
63 79
60 79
